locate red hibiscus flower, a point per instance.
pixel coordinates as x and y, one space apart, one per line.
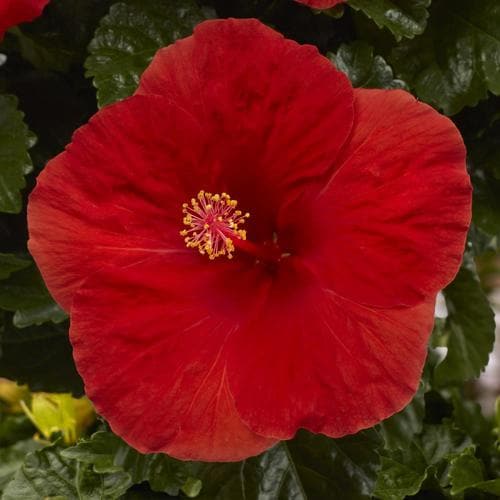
321 4
207 332
13 12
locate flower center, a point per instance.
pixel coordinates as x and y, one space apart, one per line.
213 224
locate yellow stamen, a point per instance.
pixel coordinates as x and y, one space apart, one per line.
212 224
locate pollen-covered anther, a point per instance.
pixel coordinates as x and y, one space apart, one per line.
212 223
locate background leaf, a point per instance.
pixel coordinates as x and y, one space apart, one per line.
307 467
25 293
466 472
107 453
405 470
399 430
471 328
457 60
58 40
10 263
15 162
363 68
483 144
467 415
14 428
12 458
404 18
40 357
45 473
129 36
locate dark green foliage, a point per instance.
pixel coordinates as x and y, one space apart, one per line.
15 162
457 60
14 428
405 470
58 40
129 36
307 467
39 356
365 69
12 458
404 18
467 473
399 430
10 263
25 294
471 331
46 473
482 133
106 453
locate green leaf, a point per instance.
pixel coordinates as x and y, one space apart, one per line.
399 430
308 467
468 416
107 453
14 428
404 471
404 18
491 487
48 311
471 328
484 155
58 40
192 487
486 210
25 293
129 36
40 357
12 458
440 442
401 475
457 60
45 473
363 68
480 242
466 472
100 451
10 264
15 162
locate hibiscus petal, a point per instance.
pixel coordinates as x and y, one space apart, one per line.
115 194
389 228
14 12
316 360
150 341
278 112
